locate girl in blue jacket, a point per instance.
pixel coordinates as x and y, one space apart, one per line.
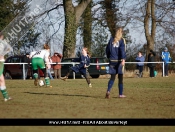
140 58
115 52
84 60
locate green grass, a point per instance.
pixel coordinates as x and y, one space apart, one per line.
146 98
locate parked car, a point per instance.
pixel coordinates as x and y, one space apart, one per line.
15 70
94 70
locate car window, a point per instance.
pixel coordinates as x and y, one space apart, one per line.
71 60
15 60
8 60
92 60
22 59
67 60
101 60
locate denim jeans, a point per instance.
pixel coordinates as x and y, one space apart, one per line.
49 74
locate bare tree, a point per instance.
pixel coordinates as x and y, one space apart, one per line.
155 18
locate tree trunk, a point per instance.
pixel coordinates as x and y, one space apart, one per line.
87 32
110 16
72 18
150 19
70 29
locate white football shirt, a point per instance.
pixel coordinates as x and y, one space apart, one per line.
44 54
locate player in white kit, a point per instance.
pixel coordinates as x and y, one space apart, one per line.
40 60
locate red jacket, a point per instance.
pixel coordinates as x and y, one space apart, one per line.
56 59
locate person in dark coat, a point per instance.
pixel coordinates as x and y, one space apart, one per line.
140 58
151 58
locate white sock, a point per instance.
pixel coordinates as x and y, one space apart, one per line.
2 87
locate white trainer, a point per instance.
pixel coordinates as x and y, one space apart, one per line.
90 85
7 99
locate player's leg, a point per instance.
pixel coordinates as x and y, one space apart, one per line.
35 70
42 66
87 77
110 84
46 78
120 85
120 81
67 75
2 84
113 70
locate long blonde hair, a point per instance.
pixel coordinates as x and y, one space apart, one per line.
118 34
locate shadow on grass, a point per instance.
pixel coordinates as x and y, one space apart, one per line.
78 95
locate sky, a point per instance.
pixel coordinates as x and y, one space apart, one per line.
44 24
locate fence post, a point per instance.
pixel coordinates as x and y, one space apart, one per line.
163 69
73 72
23 69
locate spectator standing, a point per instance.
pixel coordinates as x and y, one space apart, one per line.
56 58
26 66
151 58
48 68
166 58
140 58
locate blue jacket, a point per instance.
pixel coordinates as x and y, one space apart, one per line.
119 50
166 57
140 59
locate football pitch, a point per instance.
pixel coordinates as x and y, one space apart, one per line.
146 98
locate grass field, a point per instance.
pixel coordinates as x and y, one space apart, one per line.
146 98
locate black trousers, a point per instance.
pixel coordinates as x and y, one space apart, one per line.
152 71
140 68
166 69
